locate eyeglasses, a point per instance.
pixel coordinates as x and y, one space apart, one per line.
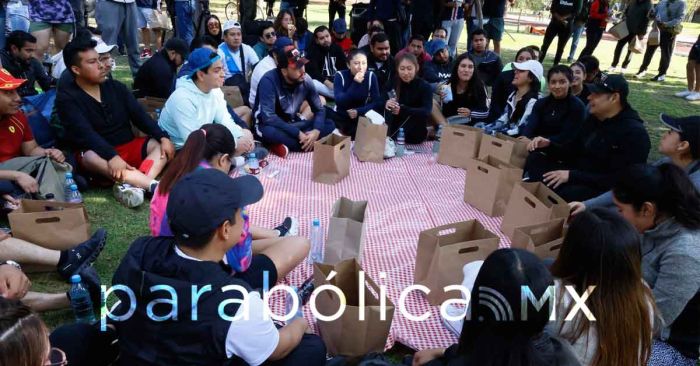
270 35
54 356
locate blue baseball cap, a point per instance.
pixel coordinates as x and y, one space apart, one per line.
339 26
202 200
201 58
282 42
434 46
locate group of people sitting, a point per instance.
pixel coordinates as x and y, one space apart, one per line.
586 142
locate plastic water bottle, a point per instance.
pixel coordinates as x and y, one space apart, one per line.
66 186
74 196
316 252
436 143
400 143
253 164
157 112
80 301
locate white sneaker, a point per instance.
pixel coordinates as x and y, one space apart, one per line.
128 195
693 97
454 326
640 74
612 69
683 94
623 70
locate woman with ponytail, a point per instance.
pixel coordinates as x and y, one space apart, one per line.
664 206
213 147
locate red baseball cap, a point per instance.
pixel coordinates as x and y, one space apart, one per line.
294 58
9 82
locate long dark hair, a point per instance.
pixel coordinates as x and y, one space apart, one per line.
666 186
206 28
205 143
23 336
489 340
475 87
602 249
278 23
405 57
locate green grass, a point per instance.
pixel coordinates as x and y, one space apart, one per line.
125 225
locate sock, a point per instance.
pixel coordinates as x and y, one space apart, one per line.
240 161
63 258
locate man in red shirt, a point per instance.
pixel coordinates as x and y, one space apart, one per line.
16 136
340 35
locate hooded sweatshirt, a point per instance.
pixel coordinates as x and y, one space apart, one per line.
188 108
324 62
671 267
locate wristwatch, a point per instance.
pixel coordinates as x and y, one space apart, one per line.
12 263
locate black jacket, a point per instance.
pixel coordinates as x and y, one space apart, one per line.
502 88
325 62
386 73
435 73
636 16
605 148
90 125
155 77
33 71
558 120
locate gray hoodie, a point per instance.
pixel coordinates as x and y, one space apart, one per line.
671 268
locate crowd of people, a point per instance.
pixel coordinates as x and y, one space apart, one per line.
634 231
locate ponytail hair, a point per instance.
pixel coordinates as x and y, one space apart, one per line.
667 187
202 144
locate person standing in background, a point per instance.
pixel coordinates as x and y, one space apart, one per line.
561 26
668 15
453 22
579 24
636 16
335 6
597 21
119 17
422 20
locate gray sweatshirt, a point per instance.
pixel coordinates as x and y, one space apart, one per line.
606 200
671 268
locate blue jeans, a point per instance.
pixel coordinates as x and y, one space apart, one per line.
17 16
578 30
2 33
454 31
184 26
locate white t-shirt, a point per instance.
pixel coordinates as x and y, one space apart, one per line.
265 65
249 55
253 339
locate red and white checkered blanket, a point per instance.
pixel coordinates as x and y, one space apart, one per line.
405 196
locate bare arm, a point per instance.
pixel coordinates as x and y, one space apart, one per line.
290 336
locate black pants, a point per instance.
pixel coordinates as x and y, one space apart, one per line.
247 10
85 344
422 27
414 127
538 163
618 51
393 31
556 29
667 42
333 8
593 37
346 125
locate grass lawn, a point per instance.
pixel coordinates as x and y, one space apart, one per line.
124 225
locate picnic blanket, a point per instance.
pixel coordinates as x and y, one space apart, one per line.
405 196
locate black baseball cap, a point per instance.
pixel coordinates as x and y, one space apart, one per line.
687 127
609 84
205 198
179 46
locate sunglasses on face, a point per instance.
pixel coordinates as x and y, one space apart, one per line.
269 35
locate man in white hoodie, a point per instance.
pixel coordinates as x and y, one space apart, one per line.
198 100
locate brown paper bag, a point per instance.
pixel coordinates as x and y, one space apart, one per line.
346 231
532 203
444 250
505 148
233 96
331 159
348 335
458 144
543 239
369 141
489 184
53 225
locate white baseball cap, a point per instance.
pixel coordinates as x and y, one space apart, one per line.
533 66
231 24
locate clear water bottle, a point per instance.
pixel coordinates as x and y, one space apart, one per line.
80 301
316 252
66 185
436 143
74 196
400 143
253 164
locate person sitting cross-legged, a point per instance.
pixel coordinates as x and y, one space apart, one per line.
198 100
97 113
278 109
211 240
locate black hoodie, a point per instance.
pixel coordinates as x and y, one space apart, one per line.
324 62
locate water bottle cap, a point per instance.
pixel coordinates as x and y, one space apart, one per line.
69 175
75 278
251 155
317 222
401 129
73 187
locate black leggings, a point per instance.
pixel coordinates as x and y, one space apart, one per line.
414 127
333 8
618 51
593 36
667 42
538 163
556 29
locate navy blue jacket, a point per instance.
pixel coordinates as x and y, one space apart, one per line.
382 9
352 95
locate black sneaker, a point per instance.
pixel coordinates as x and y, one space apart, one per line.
659 78
91 280
288 227
83 255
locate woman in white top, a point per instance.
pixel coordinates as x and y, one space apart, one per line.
602 249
